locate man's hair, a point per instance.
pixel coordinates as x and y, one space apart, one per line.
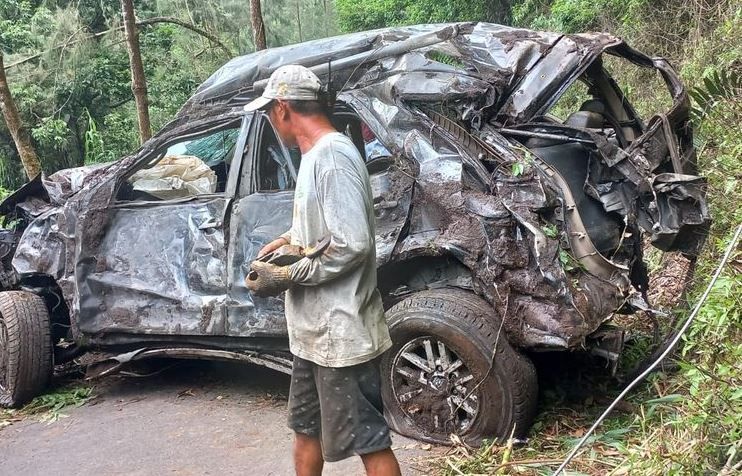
311 108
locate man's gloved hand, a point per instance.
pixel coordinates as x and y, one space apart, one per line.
266 279
287 254
272 246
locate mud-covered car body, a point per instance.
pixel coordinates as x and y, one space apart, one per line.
477 188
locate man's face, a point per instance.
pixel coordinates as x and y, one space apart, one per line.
279 114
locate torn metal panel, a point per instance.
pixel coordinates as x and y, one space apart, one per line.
42 248
552 74
160 268
256 220
392 181
681 216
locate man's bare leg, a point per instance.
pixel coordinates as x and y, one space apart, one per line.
381 463
307 455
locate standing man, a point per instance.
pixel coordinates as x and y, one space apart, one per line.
334 312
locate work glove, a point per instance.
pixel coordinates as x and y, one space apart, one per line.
267 279
286 255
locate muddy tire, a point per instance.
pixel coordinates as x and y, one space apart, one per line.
437 380
25 347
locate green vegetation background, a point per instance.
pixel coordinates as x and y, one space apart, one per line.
76 100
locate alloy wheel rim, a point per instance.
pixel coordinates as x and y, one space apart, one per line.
434 387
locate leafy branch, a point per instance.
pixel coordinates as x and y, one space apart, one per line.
148 21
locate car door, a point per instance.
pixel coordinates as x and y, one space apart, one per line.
262 210
160 267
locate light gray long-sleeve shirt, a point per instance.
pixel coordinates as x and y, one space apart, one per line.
334 312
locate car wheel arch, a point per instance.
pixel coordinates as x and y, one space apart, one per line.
403 276
57 305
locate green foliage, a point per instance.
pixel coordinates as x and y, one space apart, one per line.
571 100
95 150
76 99
4 192
550 230
125 140
719 85
445 59
51 133
695 426
15 15
517 169
49 406
357 16
568 262
574 16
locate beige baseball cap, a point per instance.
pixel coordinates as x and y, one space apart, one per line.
291 82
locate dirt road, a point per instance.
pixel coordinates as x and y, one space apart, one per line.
195 418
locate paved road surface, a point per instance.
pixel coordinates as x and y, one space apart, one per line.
195 418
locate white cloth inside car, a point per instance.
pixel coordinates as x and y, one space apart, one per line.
176 176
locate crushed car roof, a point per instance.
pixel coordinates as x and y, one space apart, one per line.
466 57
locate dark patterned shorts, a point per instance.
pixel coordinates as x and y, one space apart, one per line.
340 406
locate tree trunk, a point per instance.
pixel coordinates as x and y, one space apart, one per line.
326 19
138 81
29 159
298 20
258 27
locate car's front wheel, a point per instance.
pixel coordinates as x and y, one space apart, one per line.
25 347
442 375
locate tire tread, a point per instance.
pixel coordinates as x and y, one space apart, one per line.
30 360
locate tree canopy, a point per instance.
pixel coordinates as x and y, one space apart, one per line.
68 68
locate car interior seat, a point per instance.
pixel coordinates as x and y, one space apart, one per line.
592 115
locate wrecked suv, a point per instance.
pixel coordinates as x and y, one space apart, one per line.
502 229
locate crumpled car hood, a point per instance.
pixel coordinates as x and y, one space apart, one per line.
43 192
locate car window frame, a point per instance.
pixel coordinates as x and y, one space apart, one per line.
343 111
242 123
248 182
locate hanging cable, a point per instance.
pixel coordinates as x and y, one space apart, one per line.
664 354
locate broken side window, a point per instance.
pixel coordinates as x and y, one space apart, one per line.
372 146
277 166
643 88
571 101
190 167
364 138
595 102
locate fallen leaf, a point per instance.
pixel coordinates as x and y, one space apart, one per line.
577 432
